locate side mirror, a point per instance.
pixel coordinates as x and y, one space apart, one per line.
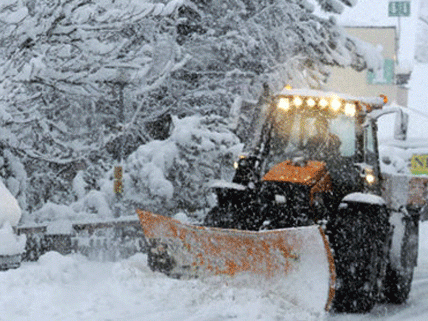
401 125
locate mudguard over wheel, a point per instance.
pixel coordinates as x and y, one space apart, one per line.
358 236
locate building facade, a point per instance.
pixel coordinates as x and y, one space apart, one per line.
389 80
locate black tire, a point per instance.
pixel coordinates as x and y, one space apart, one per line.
246 216
398 281
158 259
358 238
397 285
220 217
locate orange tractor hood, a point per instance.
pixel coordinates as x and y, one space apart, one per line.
308 174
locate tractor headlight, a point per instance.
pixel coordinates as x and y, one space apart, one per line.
297 101
370 176
310 102
323 103
335 104
350 110
284 104
371 179
240 162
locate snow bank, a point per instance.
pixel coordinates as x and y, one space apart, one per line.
10 243
72 288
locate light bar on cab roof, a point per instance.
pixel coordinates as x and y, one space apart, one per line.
350 109
323 99
335 104
332 104
297 101
284 103
311 102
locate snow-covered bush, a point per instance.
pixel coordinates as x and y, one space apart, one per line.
93 206
10 215
51 212
172 175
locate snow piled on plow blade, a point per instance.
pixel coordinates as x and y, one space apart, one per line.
297 261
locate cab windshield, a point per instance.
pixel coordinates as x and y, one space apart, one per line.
312 135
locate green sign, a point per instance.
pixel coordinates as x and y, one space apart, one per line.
419 164
399 9
383 76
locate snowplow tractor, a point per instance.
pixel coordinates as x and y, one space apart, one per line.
312 164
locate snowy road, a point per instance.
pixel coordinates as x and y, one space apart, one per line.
74 288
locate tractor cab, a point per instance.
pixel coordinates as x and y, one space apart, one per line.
303 128
300 128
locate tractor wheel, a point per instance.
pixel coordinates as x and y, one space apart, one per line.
358 238
219 217
397 285
212 218
247 218
399 279
158 259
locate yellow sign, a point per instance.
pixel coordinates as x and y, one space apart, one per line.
118 186
419 165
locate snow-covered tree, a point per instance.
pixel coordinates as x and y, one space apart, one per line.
86 82
70 70
236 45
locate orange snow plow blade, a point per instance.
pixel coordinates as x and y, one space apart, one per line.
299 254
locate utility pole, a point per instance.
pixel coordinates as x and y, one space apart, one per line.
120 83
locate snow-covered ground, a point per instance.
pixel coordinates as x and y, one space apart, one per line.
73 288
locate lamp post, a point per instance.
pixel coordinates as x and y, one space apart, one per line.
120 80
